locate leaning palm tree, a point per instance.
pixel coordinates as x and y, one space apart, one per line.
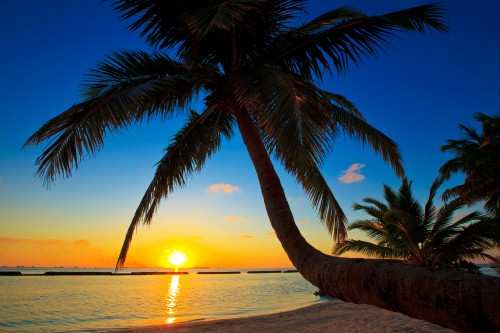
426 236
257 72
477 156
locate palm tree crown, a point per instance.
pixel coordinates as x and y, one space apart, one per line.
257 70
478 157
426 236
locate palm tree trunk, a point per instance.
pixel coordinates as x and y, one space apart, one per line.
460 301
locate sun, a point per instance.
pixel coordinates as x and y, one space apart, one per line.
177 258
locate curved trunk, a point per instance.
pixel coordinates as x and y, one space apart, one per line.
459 301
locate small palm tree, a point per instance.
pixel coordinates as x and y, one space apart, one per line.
478 157
426 236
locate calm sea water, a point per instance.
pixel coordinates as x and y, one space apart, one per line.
96 303
90 303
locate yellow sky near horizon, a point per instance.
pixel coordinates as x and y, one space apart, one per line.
245 252
151 247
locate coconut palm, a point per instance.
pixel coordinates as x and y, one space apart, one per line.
477 156
427 235
258 73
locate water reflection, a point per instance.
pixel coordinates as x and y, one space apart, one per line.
171 298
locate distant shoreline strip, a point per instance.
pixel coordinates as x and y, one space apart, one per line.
66 273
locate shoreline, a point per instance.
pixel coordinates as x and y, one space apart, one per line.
332 316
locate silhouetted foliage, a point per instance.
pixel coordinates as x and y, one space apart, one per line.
477 156
427 235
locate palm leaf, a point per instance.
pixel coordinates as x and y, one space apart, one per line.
358 128
289 111
445 228
125 88
378 211
472 241
320 196
365 248
346 35
188 151
430 208
372 228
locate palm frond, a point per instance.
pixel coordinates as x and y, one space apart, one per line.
125 88
379 204
372 228
320 195
188 151
221 16
477 155
378 211
472 241
430 208
346 36
390 196
290 112
204 31
444 217
365 248
358 128
162 22
293 124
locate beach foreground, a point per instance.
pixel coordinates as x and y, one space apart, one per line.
334 316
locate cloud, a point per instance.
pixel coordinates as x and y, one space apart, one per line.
59 243
247 236
352 174
272 234
303 222
82 242
225 188
235 218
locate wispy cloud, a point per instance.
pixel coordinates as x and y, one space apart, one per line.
247 236
352 174
235 218
223 188
45 242
81 242
272 234
303 222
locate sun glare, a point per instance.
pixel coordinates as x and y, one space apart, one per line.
177 258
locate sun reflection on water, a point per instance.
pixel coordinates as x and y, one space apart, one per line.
171 298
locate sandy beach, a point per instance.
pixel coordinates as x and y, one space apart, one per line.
334 316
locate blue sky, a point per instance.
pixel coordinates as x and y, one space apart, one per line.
415 91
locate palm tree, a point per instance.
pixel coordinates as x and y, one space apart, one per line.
477 156
425 236
259 74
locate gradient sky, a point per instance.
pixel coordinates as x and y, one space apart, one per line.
416 92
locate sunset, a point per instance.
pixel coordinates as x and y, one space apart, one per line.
295 152
177 259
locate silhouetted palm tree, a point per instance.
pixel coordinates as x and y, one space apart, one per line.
258 71
477 156
423 235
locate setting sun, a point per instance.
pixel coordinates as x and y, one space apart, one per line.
177 258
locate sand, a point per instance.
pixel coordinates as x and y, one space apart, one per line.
333 316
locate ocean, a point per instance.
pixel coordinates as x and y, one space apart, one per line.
39 303
75 303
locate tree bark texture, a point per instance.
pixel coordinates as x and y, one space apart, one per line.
459 301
